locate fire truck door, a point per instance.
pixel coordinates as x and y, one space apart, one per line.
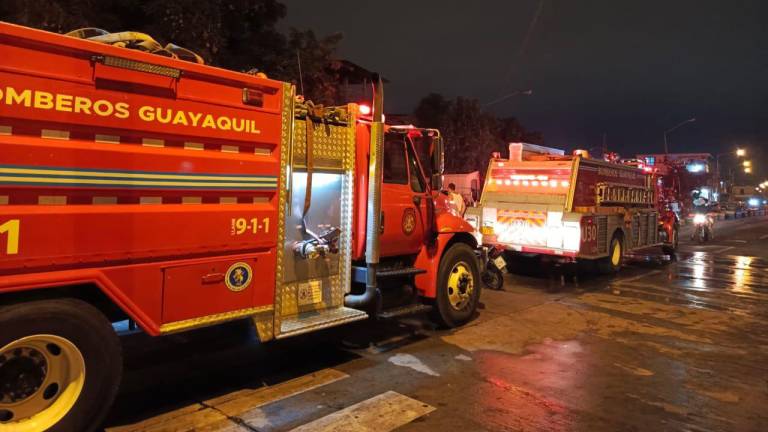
404 199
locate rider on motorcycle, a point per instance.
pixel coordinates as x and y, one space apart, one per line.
701 213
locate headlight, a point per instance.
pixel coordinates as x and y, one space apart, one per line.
699 218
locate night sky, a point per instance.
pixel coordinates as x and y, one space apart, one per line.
630 69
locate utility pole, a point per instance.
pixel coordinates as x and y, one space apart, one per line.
605 143
666 147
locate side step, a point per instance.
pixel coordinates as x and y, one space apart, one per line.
411 309
306 322
359 273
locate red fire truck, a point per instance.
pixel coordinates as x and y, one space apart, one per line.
570 207
177 195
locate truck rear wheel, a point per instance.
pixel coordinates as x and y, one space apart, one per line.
458 286
612 263
60 366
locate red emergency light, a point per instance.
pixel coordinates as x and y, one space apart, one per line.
365 109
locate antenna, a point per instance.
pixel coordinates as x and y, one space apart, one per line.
301 77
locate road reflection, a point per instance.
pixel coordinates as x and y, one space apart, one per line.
522 392
741 273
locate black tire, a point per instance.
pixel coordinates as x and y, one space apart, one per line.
445 313
671 248
492 277
610 265
85 327
701 235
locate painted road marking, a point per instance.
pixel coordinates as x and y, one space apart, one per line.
183 419
385 412
763 237
240 402
727 248
735 241
215 414
634 278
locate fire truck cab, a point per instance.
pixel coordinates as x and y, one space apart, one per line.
178 195
570 207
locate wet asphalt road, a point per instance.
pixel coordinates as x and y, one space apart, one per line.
678 346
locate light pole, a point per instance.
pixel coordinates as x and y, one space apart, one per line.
666 148
505 97
739 152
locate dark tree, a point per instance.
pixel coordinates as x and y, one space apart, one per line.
470 133
432 111
235 34
320 81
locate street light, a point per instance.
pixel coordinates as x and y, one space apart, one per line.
666 148
739 152
748 170
747 164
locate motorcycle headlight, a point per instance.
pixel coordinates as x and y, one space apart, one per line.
699 219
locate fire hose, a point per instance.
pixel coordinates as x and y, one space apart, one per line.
138 41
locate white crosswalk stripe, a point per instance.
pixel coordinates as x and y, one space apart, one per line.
249 409
385 412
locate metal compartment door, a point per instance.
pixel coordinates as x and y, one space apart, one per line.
310 292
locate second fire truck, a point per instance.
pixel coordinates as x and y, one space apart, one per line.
569 207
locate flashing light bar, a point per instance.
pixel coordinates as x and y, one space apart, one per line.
533 183
528 177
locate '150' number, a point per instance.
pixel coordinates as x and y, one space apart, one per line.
253 226
11 227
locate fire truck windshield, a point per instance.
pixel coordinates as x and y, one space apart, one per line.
424 148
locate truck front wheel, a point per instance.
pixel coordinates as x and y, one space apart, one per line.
60 366
458 286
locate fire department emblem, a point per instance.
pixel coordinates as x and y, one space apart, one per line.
239 276
409 221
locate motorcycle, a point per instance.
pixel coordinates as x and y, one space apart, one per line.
493 273
702 228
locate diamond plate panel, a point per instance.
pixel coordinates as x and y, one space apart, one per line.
330 149
334 150
286 135
265 327
311 321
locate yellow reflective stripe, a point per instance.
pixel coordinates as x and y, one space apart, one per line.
134 182
130 175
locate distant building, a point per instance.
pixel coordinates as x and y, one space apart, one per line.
744 192
356 81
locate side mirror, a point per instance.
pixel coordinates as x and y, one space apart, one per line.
475 188
438 163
